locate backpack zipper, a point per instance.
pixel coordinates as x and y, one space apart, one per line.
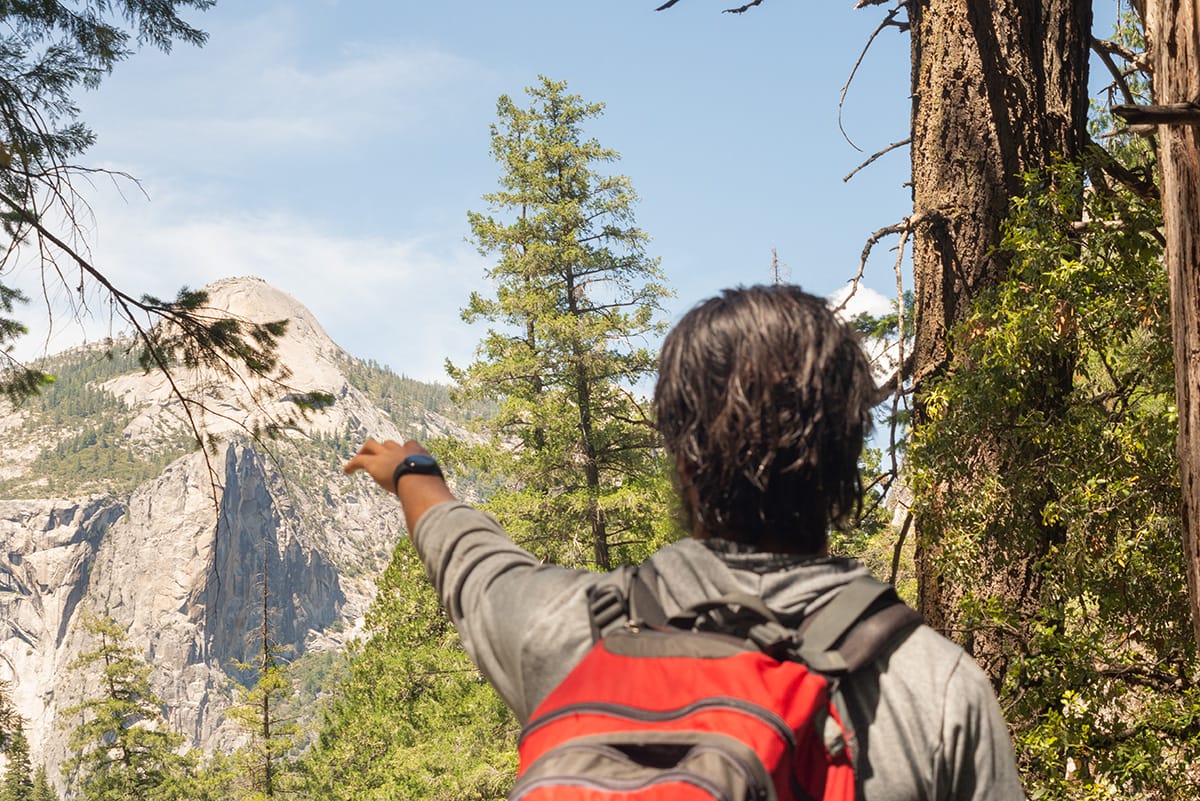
650 715
523 789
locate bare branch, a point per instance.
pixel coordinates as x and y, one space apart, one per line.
883 152
745 8
906 225
738 10
1137 182
1119 79
1103 47
900 356
888 21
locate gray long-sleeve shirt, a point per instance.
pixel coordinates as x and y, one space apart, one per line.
926 720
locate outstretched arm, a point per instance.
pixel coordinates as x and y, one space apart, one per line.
417 493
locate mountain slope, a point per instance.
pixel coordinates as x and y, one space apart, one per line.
113 508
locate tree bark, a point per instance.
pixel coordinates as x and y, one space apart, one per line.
999 89
1173 34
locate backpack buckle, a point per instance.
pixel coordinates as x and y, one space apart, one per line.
606 608
773 639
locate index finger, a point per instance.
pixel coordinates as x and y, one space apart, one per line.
359 460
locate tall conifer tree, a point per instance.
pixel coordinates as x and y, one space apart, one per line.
42 789
575 298
122 747
18 782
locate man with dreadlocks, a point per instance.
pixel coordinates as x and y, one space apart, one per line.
763 400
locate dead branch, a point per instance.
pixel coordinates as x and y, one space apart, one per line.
895 381
1119 78
738 10
1139 184
905 225
1106 46
745 8
900 355
873 158
888 21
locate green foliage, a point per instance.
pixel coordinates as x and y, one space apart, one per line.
195 337
1102 696
18 780
265 768
17 381
9 719
407 400
574 294
42 789
874 539
121 748
413 719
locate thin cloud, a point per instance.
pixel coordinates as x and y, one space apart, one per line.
395 301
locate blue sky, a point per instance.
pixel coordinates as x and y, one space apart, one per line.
334 149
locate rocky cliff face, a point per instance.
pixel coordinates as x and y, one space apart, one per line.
180 559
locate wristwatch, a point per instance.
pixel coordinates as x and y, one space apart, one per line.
420 463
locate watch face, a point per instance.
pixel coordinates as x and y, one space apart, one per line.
421 463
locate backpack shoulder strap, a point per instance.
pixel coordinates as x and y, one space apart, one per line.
855 626
848 632
611 605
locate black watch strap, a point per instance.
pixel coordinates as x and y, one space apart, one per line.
421 464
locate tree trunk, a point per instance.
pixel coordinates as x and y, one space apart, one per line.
999 89
1173 34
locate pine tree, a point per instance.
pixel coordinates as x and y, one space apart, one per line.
18 784
263 766
576 297
9 719
42 789
121 748
266 772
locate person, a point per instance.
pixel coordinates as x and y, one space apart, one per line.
763 401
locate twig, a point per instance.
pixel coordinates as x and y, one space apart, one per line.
743 9
899 391
127 303
1105 55
883 152
889 20
873 240
738 10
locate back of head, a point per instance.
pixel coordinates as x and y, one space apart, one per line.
763 399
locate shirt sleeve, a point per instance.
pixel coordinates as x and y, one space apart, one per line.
524 623
975 761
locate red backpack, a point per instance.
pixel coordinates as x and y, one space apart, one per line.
722 702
